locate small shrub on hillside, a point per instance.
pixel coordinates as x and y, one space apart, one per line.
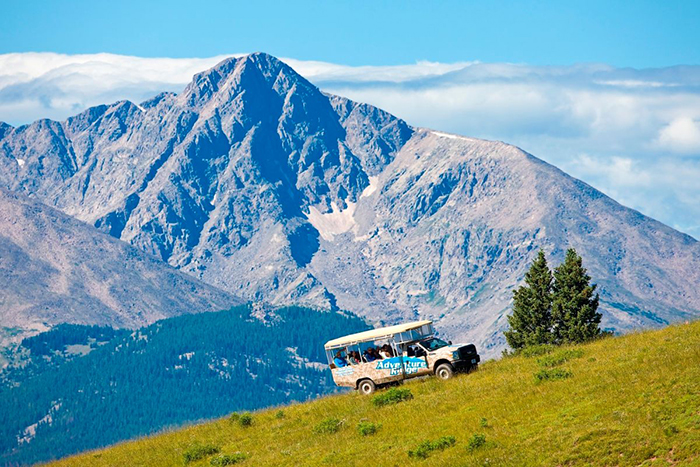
483 422
392 396
476 441
198 451
670 430
279 415
328 426
560 357
245 420
234 417
536 350
444 442
228 459
552 374
366 428
423 450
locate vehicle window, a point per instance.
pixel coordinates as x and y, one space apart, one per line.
415 351
354 355
340 358
433 343
371 351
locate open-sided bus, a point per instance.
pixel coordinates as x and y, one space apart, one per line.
387 355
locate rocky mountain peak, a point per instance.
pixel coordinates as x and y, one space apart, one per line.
257 73
4 129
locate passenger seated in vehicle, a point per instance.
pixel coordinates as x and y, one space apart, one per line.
386 351
339 360
354 357
369 355
376 354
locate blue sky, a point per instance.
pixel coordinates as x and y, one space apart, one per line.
593 87
636 33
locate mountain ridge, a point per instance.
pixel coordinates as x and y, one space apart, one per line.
56 269
255 181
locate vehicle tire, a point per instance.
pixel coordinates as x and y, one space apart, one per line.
444 371
366 387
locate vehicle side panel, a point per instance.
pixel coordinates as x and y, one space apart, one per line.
380 371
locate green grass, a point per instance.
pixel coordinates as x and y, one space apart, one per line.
629 401
557 358
328 426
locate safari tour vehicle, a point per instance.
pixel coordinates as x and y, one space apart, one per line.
382 356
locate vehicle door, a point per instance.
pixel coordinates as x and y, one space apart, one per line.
415 361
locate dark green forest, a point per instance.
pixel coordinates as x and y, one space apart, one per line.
176 371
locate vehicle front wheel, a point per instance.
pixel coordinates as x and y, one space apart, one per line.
445 371
366 387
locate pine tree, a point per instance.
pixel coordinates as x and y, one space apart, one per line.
531 321
574 308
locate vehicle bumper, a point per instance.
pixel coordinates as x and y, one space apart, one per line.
467 363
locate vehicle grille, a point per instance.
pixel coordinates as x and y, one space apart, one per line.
467 352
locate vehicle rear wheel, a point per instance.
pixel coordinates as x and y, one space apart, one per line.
366 387
445 371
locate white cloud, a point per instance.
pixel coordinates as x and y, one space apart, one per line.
619 171
329 72
48 85
633 133
682 136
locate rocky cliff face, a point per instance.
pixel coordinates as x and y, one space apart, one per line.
256 182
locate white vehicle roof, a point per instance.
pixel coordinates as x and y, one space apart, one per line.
374 334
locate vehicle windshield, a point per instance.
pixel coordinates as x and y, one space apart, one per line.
433 343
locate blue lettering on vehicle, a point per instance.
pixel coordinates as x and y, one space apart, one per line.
410 364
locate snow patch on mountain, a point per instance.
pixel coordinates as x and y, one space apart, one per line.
451 136
332 223
371 188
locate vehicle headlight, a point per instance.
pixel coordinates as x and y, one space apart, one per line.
455 355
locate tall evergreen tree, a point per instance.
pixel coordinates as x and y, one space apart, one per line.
531 321
574 307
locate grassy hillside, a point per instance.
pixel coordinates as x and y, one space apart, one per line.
632 400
